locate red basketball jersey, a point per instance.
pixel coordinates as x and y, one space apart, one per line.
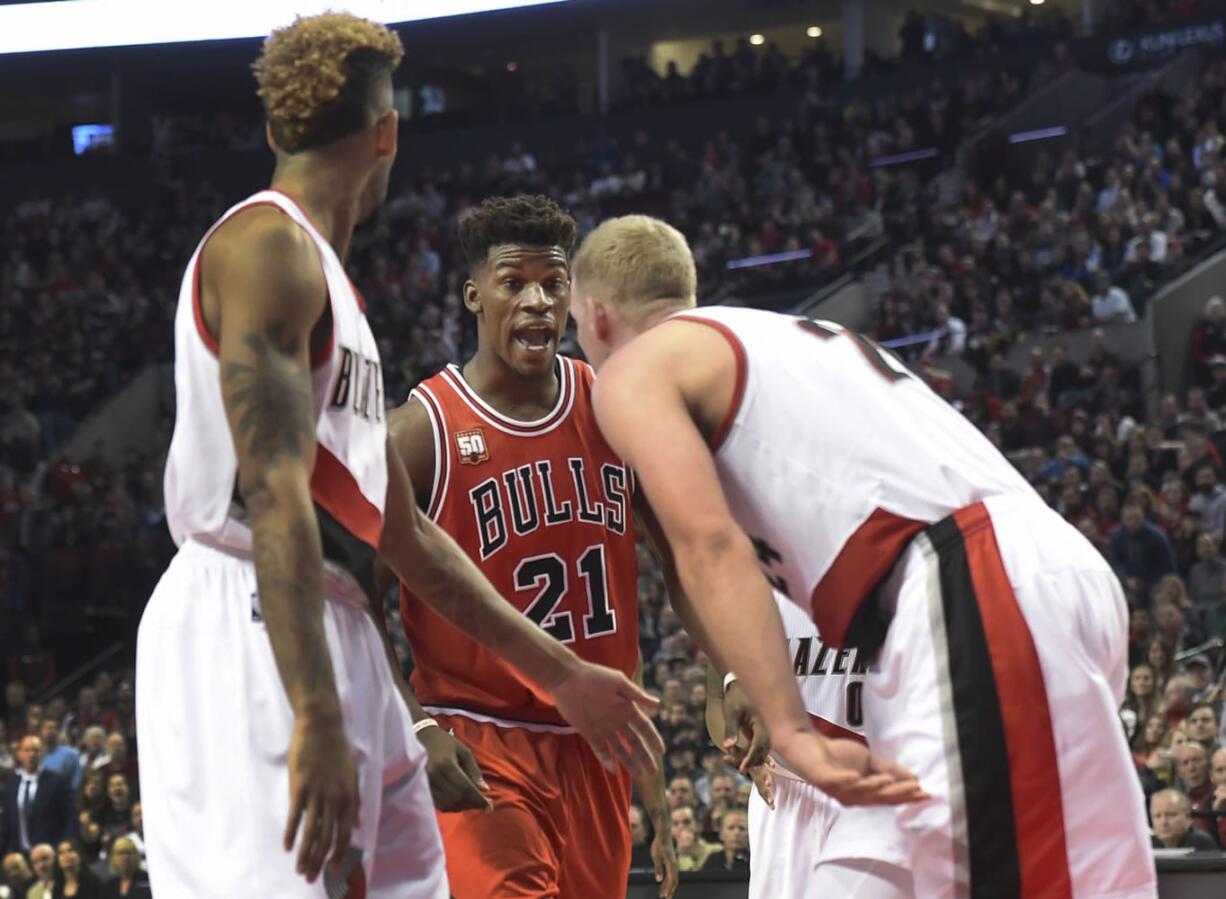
544 508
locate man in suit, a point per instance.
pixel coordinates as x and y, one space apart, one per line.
38 805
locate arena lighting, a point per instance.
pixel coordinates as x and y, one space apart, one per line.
755 261
757 39
512 66
814 31
900 158
1038 134
78 24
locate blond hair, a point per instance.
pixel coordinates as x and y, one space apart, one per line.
317 75
639 263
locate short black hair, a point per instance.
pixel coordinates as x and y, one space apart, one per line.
530 220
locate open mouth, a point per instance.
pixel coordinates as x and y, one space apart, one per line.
535 340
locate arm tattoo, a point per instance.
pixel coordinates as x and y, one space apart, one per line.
272 402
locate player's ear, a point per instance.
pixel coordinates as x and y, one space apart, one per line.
602 323
472 297
387 129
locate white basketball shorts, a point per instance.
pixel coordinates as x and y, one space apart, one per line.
214 727
811 847
998 684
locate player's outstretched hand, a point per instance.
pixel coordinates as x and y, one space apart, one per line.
323 793
456 783
847 771
664 857
751 745
610 711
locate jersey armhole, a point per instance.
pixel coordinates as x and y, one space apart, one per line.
442 461
211 342
742 369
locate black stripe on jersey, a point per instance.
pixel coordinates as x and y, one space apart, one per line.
992 838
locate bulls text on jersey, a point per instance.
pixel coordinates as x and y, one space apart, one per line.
533 496
359 385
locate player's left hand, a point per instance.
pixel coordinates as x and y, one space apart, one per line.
847 771
608 710
751 744
664 856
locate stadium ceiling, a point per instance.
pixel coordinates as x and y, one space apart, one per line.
81 24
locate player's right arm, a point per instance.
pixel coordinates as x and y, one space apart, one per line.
263 276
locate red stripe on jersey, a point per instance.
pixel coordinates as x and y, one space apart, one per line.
442 450
742 370
834 731
334 488
864 560
1038 808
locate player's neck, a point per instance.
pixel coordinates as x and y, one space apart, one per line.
515 396
328 197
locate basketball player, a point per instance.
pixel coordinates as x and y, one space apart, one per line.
268 715
776 450
509 461
802 843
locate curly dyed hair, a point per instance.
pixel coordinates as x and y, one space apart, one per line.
317 77
534 221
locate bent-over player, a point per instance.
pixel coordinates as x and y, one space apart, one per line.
795 453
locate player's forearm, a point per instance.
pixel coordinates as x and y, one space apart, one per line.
430 564
289 577
735 605
716 726
416 712
651 787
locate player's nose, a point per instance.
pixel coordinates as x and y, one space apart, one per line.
536 298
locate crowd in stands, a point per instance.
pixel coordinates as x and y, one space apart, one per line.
70 813
1069 242
88 288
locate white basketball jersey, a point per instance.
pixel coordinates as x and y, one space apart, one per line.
831 681
833 457
349 482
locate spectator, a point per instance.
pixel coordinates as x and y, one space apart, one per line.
1177 701
1202 726
42 860
1207 576
129 880
1171 814
1210 499
1110 303
681 793
92 803
692 850
62 760
120 762
116 818
93 749
1140 700
734 837
950 339
7 762
37 804
1173 629
1199 670
1192 766
640 841
1208 340
1158 657
1140 552
76 881
17 874
1217 776
723 797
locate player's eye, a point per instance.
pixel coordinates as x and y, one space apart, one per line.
513 284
